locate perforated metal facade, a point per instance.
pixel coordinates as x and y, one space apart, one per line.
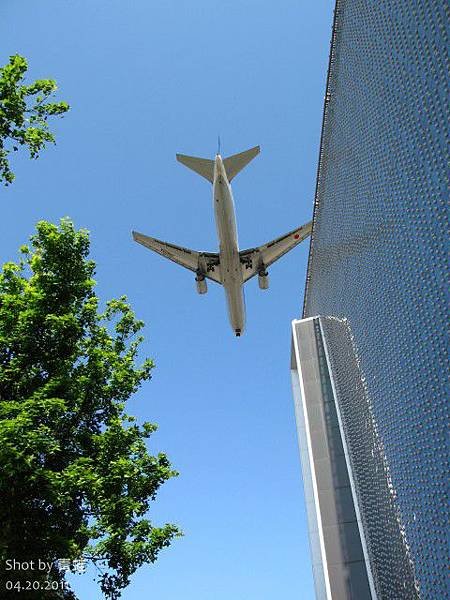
377 273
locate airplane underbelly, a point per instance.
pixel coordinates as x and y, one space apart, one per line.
225 217
236 307
230 264
230 267
232 282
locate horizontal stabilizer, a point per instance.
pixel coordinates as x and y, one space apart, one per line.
234 164
202 166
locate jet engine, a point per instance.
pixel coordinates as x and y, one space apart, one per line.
263 280
202 286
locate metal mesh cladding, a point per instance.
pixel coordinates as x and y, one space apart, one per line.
377 271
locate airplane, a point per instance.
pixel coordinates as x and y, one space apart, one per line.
230 266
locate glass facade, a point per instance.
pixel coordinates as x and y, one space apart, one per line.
377 274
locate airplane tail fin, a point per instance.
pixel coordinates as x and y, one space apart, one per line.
205 167
234 164
202 166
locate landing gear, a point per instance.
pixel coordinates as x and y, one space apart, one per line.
238 332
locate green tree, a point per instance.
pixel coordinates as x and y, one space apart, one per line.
24 111
76 477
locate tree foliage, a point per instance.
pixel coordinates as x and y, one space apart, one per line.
24 111
76 474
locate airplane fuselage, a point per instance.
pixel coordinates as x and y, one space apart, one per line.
231 270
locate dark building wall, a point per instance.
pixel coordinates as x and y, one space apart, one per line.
377 272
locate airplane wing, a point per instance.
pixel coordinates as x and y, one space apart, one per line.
207 263
258 259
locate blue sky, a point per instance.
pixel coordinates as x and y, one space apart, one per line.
147 80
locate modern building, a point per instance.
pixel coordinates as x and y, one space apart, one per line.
369 357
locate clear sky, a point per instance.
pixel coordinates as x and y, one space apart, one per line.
147 79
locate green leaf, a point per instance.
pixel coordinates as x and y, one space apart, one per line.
77 477
24 112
